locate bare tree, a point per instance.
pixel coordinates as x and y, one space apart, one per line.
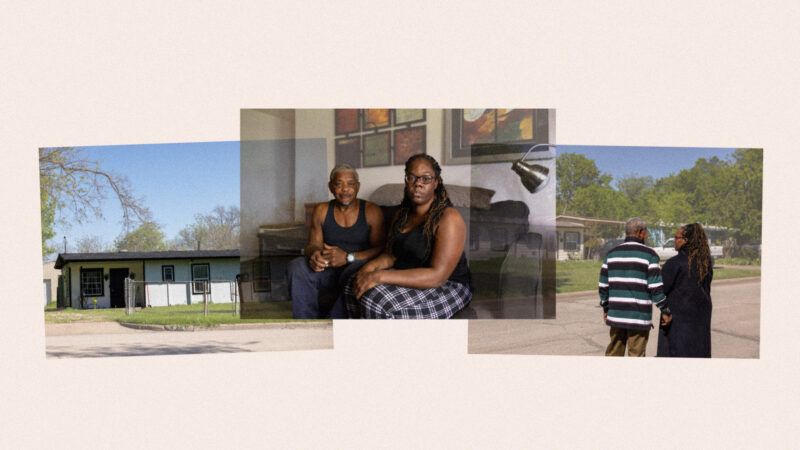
73 186
217 230
91 244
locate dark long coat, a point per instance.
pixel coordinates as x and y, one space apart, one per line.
689 334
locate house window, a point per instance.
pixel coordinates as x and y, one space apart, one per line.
572 241
168 273
92 282
499 239
201 275
261 276
474 239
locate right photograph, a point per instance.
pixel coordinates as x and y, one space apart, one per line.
658 254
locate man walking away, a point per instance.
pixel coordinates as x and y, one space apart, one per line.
630 283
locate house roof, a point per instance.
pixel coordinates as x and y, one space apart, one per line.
64 258
560 223
585 220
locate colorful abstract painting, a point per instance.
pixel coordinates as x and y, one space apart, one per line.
514 125
478 126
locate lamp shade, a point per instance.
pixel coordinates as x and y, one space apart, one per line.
533 176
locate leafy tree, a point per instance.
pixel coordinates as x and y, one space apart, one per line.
713 192
72 187
217 230
146 237
574 172
744 185
601 202
635 188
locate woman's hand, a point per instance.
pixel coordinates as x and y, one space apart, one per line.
365 280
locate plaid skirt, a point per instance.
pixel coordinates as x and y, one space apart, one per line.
387 301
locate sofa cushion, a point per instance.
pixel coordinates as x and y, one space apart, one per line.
461 196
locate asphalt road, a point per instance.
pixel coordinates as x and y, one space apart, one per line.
87 340
578 328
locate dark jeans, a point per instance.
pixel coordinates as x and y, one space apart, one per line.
305 286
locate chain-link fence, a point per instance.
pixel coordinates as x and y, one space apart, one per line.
201 296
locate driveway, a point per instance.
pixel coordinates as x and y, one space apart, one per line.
578 328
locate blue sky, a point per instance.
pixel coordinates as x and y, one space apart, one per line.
656 162
177 181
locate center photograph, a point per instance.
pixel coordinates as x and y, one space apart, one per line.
398 213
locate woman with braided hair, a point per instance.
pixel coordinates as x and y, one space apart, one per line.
422 273
687 284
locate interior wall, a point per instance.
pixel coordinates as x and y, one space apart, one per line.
319 124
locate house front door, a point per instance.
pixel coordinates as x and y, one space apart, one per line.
116 287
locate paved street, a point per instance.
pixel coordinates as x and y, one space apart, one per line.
579 329
86 340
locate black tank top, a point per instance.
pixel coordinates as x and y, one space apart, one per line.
409 251
349 239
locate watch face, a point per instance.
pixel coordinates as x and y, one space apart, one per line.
351 257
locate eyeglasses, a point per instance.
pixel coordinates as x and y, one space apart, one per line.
426 179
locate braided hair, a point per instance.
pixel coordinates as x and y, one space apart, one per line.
696 247
440 202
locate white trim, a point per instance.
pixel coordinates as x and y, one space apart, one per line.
627 280
630 300
634 321
629 259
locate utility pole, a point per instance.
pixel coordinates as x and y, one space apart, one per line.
65 244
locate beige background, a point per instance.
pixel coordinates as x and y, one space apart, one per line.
626 74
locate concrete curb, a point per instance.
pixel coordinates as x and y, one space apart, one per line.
228 326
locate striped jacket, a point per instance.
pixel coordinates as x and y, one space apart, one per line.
630 283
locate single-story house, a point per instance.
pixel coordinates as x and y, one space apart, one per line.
163 278
574 232
570 238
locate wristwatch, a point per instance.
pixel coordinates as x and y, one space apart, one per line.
351 257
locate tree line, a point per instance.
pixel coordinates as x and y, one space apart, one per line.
73 187
720 192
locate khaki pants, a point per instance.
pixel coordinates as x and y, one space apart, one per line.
634 340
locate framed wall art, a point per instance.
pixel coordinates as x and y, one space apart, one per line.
346 121
408 116
377 150
495 135
376 118
348 151
407 143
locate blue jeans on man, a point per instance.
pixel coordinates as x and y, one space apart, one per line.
305 286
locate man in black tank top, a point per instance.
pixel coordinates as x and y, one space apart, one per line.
345 233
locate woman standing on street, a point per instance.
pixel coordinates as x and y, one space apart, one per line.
687 283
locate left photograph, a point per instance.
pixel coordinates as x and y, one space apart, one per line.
141 255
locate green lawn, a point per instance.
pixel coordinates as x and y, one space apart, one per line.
187 315
575 276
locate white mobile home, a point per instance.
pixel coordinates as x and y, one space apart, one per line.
160 278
